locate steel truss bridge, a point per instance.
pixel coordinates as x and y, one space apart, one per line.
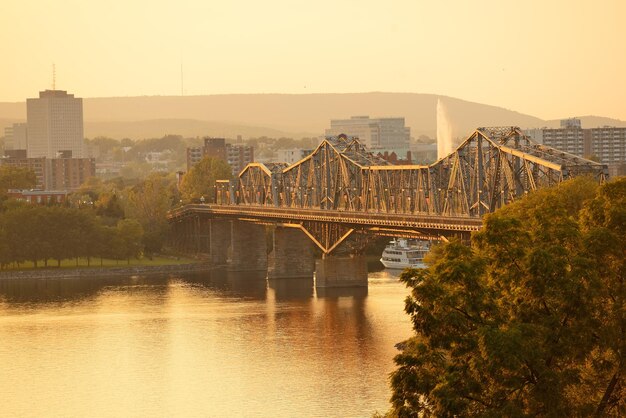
341 193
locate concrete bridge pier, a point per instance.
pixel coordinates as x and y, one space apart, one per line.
341 271
219 241
292 256
201 235
248 247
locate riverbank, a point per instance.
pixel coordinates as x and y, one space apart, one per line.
43 273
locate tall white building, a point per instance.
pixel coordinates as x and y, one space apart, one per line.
378 134
55 124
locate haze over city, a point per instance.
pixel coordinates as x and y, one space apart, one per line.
547 59
312 209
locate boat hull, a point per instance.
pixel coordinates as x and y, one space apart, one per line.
401 266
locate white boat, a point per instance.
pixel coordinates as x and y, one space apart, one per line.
402 253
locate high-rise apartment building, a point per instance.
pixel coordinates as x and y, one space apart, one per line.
377 134
55 124
606 144
569 139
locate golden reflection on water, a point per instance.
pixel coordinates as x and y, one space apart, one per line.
203 345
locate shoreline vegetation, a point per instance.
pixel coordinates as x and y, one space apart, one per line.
108 267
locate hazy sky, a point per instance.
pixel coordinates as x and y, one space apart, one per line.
548 58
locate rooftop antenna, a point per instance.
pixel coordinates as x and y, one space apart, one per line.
54 77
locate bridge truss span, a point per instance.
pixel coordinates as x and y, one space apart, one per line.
341 191
491 168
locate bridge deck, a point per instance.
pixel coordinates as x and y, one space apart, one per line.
258 213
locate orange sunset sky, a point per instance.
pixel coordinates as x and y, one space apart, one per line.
548 58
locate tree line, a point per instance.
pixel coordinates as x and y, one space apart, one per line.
41 233
113 219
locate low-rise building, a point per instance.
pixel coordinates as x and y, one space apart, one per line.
160 160
39 196
394 159
237 156
56 173
68 173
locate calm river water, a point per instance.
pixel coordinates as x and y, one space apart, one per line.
213 344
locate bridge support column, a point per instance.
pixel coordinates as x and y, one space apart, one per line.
203 235
293 255
341 271
219 241
248 247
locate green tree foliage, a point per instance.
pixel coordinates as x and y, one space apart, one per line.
61 228
127 143
135 170
15 178
200 180
130 233
168 142
529 320
5 249
111 244
108 206
148 202
93 186
26 230
40 233
104 144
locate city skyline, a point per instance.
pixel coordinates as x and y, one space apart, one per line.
552 61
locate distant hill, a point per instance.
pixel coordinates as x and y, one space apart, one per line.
4 122
590 122
156 128
294 115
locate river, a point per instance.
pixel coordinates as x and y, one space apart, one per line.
204 345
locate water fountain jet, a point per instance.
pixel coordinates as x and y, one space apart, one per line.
444 130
